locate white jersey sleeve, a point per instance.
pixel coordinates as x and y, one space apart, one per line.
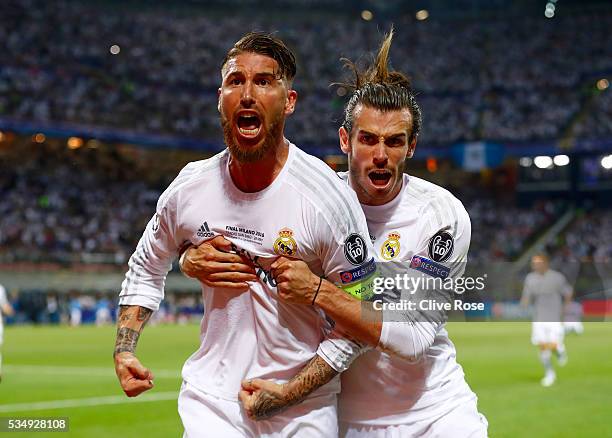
442 252
338 349
340 236
158 247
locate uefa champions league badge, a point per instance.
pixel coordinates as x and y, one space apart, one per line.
441 246
390 249
355 249
285 244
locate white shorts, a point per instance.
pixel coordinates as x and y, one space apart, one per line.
205 415
573 326
547 333
1 333
464 421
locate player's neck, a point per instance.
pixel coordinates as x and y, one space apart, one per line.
256 176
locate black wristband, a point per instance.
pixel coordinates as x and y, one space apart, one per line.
317 292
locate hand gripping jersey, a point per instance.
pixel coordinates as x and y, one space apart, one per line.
306 213
424 228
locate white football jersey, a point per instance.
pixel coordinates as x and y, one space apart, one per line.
426 223
306 213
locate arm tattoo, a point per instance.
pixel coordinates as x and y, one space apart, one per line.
143 315
129 328
127 339
314 375
124 317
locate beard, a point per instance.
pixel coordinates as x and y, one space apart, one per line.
251 154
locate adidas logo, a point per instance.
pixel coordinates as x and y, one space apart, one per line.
204 231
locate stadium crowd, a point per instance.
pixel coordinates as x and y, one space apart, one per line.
91 205
501 232
587 238
494 79
59 205
86 307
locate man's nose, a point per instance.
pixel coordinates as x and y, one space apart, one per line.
246 98
380 154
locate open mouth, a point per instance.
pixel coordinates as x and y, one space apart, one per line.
249 124
380 177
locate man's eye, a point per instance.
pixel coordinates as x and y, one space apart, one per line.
264 82
396 142
236 82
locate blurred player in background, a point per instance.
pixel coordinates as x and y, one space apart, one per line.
76 311
550 293
414 386
103 310
5 309
268 198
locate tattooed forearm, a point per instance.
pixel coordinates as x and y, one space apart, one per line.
314 375
127 339
130 322
268 404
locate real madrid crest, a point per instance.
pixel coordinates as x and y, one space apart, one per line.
391 247
285 243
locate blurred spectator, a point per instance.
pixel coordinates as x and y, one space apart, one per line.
103 310
587 239
76 311
501 231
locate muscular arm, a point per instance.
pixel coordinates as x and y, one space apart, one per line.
263 399
350 314
133 376
408 338
130 322
297 284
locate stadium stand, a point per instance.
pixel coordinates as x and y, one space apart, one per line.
496 80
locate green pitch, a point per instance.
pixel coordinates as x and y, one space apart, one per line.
61 371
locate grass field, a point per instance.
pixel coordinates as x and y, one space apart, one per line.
61 371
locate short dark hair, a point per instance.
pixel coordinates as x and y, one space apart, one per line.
268 45
379 88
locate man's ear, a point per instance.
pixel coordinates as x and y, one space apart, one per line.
345 141
219 99
292 96
411 148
